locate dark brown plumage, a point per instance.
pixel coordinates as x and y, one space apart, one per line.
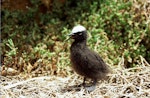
84 61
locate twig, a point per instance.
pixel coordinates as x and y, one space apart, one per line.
22 82
143 60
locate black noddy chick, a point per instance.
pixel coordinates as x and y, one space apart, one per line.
84 61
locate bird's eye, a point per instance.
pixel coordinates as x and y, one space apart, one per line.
80 33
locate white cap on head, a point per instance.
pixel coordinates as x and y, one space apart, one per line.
77 29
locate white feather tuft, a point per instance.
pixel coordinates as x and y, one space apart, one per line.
77 29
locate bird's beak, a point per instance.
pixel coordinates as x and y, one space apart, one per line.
70 34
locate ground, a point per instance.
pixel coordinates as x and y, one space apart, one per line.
122 83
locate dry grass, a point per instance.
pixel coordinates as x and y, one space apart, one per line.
123 83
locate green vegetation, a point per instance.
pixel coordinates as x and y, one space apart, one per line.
117 29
